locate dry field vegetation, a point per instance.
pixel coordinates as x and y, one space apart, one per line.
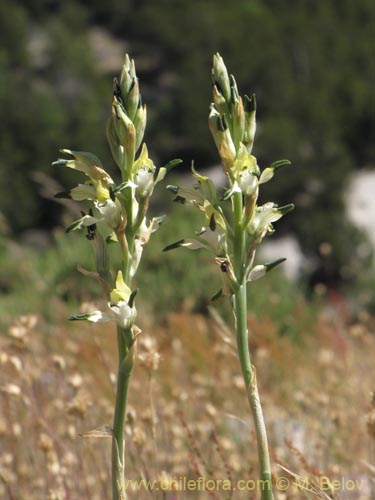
187 415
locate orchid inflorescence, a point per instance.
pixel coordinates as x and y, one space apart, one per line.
118 215
120 209
232 124
233 236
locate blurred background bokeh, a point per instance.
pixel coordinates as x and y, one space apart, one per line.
311 65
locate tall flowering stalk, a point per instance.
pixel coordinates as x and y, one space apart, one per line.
234 239
118 216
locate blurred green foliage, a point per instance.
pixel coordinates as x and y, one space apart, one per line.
167 281
308 62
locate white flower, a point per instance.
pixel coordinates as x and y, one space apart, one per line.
124 314
110 212
144 180
121 307
264 216
248 182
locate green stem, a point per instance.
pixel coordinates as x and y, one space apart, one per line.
124 342
248 372
239 236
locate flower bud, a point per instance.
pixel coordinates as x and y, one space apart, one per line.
238 116
220 102
127 77
250 122
113 141
125 132
132 101
234 96
220 77
139 121
222 138
213 123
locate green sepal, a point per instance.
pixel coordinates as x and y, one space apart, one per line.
261 270
217 295
172 164
77 224
269 172
132 298
59 163
273 264
80 317
173 189
286 208
212 224
85 221
172 246
250 103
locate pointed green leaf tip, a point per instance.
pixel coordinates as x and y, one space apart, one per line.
172 246
261 270
217 295
172 164
273 264
269 172
173 189
250 104
132 297
286 208
80 317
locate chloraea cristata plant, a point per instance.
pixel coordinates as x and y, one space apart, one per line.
233 239
118 215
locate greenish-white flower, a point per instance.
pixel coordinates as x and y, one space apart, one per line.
264 216
121 307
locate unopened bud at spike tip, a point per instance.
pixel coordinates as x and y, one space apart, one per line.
219 100
233 90
250 122
220 76
139 121
132 100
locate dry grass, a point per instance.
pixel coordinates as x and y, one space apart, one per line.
188 415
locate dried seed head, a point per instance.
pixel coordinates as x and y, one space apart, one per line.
45 443
59 362
139 437
211 410
79 406
75 380
131 416
12 389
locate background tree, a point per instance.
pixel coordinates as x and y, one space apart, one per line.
310 67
